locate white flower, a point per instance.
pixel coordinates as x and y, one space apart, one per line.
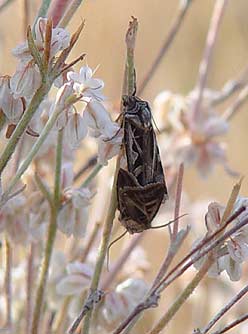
85 84
193 140
77 279
108 148
117 304
75 130
14 219
12 107
59 41
99 120
230 255
26 80
73 217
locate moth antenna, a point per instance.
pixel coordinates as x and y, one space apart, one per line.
111 244
170 222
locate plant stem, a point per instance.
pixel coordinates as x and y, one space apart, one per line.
226 308
22 125
71 10
42 11
52 228
8 283
29 287
182 298
176 24
91 176
214 26
107 228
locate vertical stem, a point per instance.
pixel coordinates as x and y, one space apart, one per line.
52 228
42 11
30 280
107 228
71 10
208 52
8 282
176 24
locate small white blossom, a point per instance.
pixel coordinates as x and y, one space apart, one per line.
77 279
234 251
193 140
26 80
73 217
12 107
85 84
117 304
59 41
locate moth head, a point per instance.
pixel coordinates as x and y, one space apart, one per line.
129 101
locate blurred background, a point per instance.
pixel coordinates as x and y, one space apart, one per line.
103 42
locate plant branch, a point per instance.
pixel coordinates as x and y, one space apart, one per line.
231 111
52 228
70 11
226 308
175 26
214 26
232 324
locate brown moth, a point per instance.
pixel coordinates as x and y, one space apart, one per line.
141 188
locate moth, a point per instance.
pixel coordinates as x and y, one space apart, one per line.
141 187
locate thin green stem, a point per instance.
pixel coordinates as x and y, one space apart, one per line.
42 11
22 125
71 10
103 247
8 283
52 228
182 298
91 176
5 4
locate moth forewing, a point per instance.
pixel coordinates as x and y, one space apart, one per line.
141 188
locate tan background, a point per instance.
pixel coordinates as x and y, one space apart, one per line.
103 41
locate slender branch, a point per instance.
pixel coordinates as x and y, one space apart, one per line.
52 228
175 26
5 4
232 324
90 163
107 228
132 319
71 10
57 10
182 298
92 175
29 287
93 298
178 200
8 282
90 242
201 249
42 11
226 308
231 87
231 111
208 52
